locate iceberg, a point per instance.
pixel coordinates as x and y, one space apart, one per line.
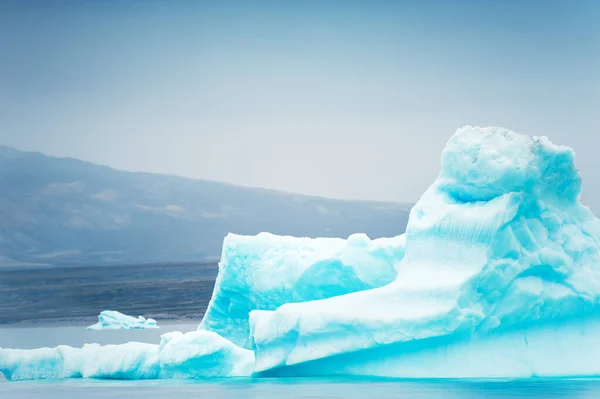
266 271
501 278
497 275
194 355
113 320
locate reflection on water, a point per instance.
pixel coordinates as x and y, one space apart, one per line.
305 388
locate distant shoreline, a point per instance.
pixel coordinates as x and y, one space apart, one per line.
45 266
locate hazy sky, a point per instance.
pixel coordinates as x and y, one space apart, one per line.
350 99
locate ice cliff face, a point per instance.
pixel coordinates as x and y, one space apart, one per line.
499 276
505 220
267 271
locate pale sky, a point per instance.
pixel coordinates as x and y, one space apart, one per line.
345 99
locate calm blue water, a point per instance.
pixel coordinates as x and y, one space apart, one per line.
308 388
304 389
18 337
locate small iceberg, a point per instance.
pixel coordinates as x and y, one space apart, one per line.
113 320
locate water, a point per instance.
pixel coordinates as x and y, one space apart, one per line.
304 389
298 388
162 291
50 336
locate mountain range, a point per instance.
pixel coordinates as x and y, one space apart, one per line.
68 212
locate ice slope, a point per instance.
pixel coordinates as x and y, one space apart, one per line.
501 277
113 320
197 354
267 271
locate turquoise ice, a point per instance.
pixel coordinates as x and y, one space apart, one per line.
197 354
266 271
500 278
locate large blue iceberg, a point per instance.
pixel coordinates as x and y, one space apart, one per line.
498 275
501 278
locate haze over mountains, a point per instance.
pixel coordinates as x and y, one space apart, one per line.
67 212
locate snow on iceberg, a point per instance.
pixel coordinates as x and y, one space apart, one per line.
113 320
501 278
197 354
267 271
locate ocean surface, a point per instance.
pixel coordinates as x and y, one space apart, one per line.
17 336
31 337
309 388
72 294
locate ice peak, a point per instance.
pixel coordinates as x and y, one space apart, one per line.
482 163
